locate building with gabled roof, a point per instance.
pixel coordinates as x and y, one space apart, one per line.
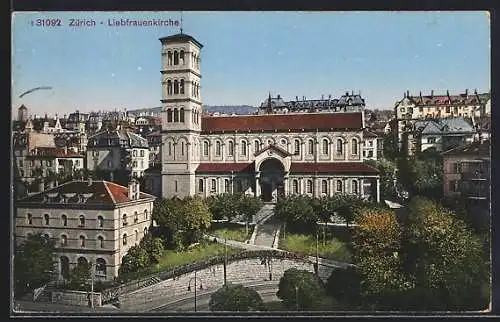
90 221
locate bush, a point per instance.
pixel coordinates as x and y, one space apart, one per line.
236 298
300 289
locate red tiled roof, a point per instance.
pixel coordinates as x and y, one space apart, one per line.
282 122
333 167
225 167
97 193
54 152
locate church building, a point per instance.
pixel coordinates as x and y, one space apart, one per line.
266 155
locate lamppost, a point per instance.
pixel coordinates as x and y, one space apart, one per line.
225 259
316 268
91 295
189 287
297 297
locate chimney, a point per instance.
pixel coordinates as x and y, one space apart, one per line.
329 96
322 97
297 98
447 93
279 96
407 93
404 94
467 92
432 93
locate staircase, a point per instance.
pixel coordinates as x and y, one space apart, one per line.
264 213
46 294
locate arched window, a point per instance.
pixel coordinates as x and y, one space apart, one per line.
136 217
46 219
169 149
64 220
354 188
146 214
214 185
182 148
340 146
230 148
124 220
325 146
181 89
296 147
82 241
100 241
256 146
182 115
243 148
205 148
295 187
81 220
176 58
82 261
176 187
354 144
136 235
169 87
29 219
200 185
124 239
100 267
311 147
169 115
324 186
64 266
217 148
197 90
226 185
64 240
169 58
176 87
100 221
176 115
181 57
145 231
339 185
309 186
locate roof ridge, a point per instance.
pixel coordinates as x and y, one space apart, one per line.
109 191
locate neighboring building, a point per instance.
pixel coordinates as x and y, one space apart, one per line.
147 124
40 162
346 103
118 150
77 121
22 113
467 172
439 134
154 142
94 221
370 145
410 108
94 123
267 155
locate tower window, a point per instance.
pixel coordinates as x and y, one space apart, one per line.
182 148
176 115
182 87
169 149
181 57
176 57
182 115
230 150
205 148
176 87
176 186
169 115
169 87
169 58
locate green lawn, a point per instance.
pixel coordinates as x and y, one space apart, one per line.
306 244
238 234
172 258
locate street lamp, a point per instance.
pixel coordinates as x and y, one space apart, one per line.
189 287
225 259
91 295
297 297
317 257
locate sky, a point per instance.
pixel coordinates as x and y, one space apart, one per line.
247 55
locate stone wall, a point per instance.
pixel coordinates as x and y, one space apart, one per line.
212 278
75 298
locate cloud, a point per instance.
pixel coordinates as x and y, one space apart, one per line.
439 44
139 68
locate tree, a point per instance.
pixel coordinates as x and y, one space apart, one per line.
300 289
195 218
167 214
344 284
444 257
79 276
236 298
136 260
422 175
248 207
33 263
153 246
225 206
297 212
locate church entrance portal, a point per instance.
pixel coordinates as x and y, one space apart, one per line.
272 175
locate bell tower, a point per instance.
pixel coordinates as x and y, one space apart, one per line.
181 114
